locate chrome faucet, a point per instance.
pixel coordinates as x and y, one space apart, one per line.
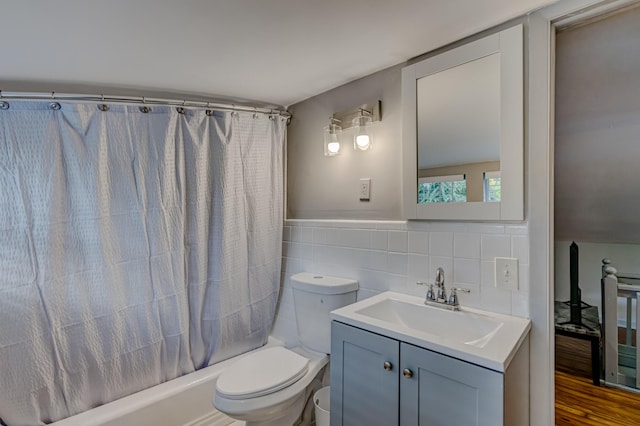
442 293
440 276
440 299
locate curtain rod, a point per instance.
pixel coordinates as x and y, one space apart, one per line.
142 100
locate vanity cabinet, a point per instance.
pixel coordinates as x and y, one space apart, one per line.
377 380
365 389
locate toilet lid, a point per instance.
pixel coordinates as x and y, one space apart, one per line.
261 373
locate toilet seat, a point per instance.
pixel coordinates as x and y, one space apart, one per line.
261 373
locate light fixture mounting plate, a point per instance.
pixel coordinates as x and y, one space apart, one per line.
346 117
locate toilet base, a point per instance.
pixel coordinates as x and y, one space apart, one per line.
299 413
290 416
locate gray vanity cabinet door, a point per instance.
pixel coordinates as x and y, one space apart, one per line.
363 391
444 391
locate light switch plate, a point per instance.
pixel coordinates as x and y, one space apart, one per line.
365 189
506 273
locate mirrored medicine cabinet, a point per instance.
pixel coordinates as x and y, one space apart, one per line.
463 132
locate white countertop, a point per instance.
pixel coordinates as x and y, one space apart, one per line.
494 352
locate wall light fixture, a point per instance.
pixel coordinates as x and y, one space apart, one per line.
332 136
360 119
362 139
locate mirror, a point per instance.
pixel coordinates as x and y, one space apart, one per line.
457 157
463 132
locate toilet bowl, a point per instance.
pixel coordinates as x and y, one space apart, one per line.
268 397
272 386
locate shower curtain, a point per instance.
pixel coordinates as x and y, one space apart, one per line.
134 248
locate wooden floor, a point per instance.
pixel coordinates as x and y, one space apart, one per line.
578 401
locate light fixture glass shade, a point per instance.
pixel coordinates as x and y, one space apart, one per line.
332 136
362 138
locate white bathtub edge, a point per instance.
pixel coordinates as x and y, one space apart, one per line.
122 407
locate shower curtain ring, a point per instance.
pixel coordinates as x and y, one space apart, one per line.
181 109
144 109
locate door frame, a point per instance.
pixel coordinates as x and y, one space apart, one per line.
540 164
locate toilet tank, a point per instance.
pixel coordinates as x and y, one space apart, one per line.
314 296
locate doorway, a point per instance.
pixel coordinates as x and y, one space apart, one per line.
596 207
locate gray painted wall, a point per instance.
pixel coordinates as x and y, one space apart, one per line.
597 149
320 187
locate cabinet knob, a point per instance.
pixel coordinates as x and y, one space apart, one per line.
407 373
388 366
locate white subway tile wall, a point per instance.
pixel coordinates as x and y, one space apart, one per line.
393 255
418 242
398 241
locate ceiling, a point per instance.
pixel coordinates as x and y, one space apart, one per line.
275 52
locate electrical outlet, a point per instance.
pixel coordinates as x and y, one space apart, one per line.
506 273
365 189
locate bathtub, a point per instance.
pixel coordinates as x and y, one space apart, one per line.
185 401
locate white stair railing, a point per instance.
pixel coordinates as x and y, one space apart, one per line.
616 285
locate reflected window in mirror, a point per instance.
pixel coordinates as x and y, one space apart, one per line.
470 177
492 186
442 189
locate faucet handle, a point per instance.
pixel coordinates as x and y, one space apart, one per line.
453 296
430 294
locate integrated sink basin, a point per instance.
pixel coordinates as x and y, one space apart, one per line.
462 326
480 337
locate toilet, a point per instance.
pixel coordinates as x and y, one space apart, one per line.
272 385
